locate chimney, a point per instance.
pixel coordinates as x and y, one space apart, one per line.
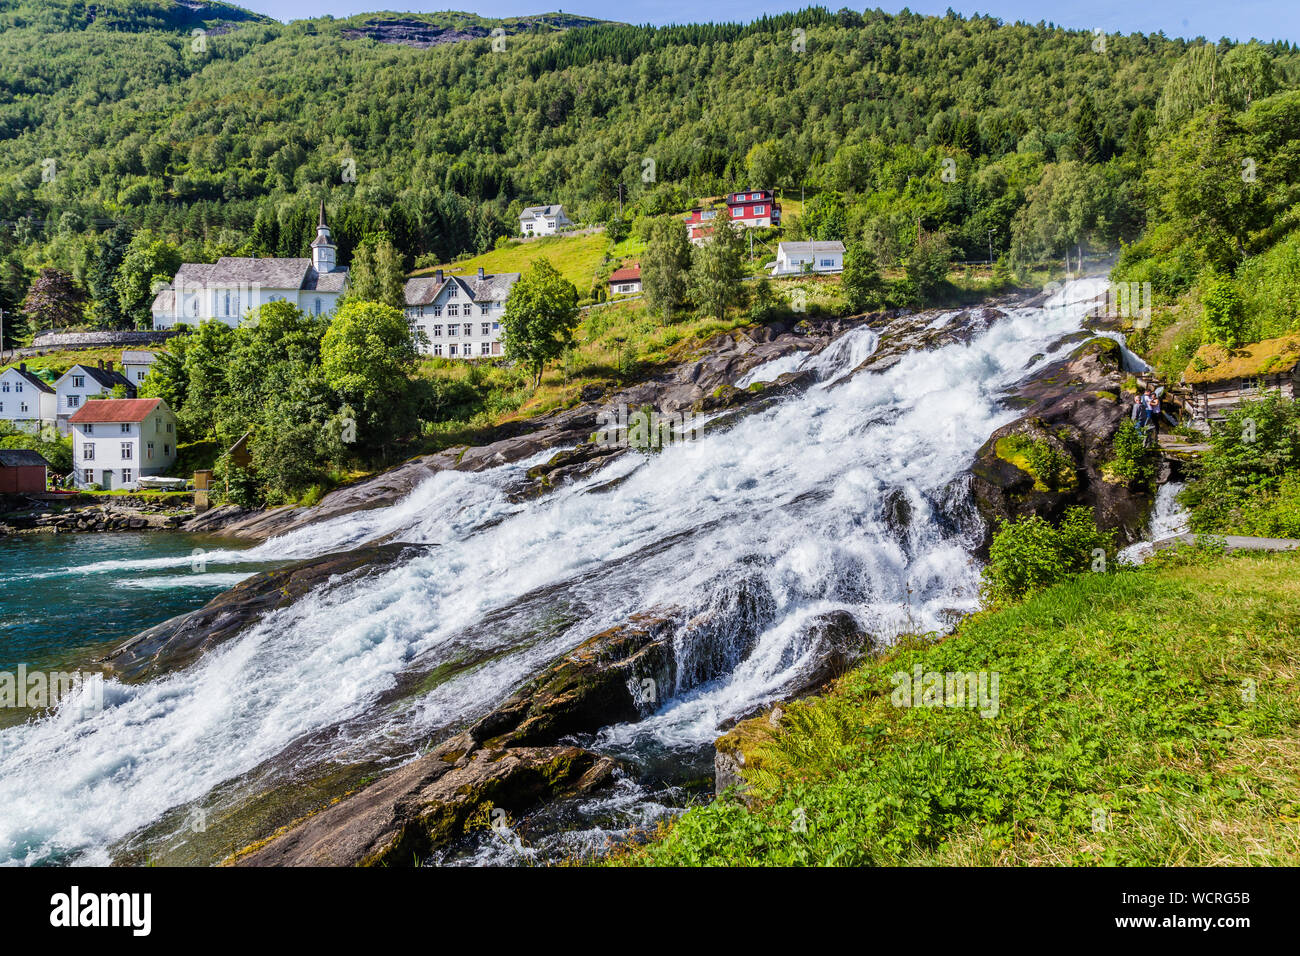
101 365
108 366
22 366
480 272
437 275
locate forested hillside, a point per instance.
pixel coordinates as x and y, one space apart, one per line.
124 134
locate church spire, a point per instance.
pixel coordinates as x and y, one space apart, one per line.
322 248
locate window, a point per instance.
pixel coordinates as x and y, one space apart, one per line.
17 388
486 328
88 451
319 307
128 450
828 263
437 330
2 407
419 311
139 375
90 429
149 449
453 329
496 348
495 326
4 387
483 309
127 475
453 310
437 311
485 348
169 428
167 450
22 407
451 293
88 476
759 210
437 348
78 381
74 401
126 429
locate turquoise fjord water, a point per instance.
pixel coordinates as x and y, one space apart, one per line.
64 597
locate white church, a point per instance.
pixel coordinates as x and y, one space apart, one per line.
230 287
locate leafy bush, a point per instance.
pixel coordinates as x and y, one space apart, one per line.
1255 449
1029 555
1133 463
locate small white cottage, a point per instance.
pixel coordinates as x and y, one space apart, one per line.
796 257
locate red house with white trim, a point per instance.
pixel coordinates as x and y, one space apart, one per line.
752 209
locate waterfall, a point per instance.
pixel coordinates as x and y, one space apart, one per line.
748 533
1169 519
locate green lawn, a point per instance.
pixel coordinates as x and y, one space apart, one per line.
578 258
1144 718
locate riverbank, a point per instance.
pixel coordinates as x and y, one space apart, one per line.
1144 717
54 514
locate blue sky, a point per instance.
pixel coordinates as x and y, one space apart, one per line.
1239 19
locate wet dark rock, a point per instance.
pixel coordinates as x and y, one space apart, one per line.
404 817
180 641
1072 406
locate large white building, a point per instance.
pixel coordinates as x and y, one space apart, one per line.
460 316
116 441
231 286
28 403
543 220
84 382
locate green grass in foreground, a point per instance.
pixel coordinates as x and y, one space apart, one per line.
1123 736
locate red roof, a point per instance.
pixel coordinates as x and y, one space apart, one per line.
115 410
626 274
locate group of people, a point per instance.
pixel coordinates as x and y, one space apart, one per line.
1146 414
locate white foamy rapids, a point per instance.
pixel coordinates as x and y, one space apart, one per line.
1168 520
838 359
750 533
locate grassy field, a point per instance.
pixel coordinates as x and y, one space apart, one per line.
580 259
1144 717
61 361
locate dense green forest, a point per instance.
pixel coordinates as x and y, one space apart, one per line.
129 142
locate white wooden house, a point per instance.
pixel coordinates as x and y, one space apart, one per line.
543 220
116 441
136 365
27 402
793 258
83 382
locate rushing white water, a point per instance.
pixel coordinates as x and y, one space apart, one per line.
1168 520
749 533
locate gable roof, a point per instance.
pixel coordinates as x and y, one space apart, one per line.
114 410
1214 363
423 290
810 248
22 458
39 384
138 357
532 212
627 273
105 378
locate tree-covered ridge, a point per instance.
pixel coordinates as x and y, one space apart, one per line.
121 15
908 125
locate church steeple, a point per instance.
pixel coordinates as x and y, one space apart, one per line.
323 249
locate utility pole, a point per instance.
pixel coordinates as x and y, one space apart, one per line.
620 200
990 247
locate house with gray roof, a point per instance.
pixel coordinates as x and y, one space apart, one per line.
84 382
460 316
793 258
543 220
26 401
233 286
